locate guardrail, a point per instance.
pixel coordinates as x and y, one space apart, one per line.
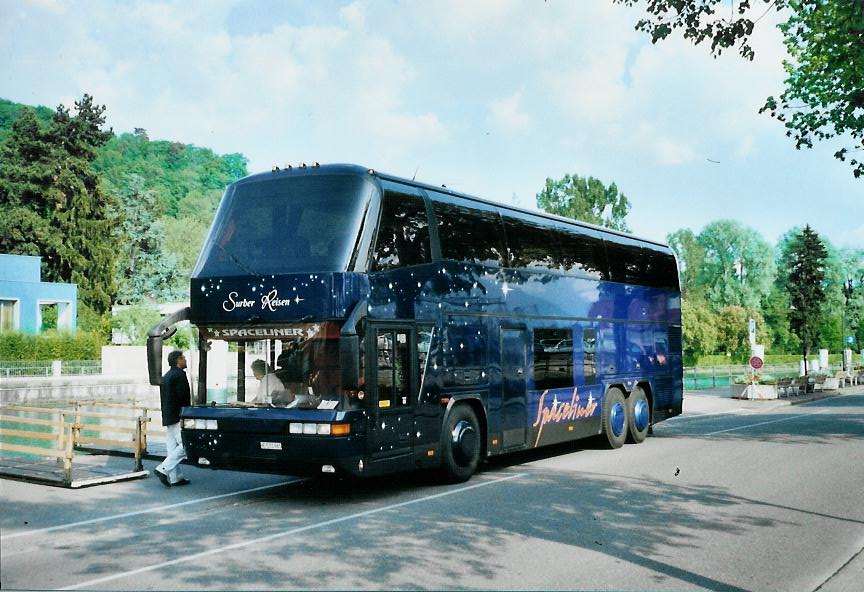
9 368
704 377
66 430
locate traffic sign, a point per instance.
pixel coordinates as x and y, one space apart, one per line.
756 362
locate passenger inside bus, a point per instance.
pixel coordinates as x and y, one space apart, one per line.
269 384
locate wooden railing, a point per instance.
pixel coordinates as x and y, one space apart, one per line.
67 430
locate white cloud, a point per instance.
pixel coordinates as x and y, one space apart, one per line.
670 152
508 115
489 97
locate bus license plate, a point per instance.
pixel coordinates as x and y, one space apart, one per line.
271 445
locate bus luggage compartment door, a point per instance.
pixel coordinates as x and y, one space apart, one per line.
514 388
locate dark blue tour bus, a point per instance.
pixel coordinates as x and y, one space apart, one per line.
405 326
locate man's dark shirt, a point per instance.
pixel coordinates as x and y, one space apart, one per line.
175 394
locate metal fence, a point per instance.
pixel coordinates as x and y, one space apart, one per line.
706 377
50 368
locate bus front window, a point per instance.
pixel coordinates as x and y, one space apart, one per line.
277 226
298 370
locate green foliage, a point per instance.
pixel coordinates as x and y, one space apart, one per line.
738 267
806 273
823 95
146 272
173 171
700 329
585 199
690 254
51 345
135 321
158 196
10 111
732 335
52 204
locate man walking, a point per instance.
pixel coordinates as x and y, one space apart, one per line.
175 394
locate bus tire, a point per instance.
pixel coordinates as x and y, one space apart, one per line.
615 418
638 416
460 445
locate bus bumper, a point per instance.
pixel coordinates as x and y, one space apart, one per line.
275 453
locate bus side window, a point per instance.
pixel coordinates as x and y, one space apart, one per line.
403 235
589 359
553 358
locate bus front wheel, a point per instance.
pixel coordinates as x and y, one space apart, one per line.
460 445
615 418
638 416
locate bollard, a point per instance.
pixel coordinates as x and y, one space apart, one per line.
67 460
138 440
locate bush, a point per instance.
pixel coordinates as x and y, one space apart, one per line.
51 345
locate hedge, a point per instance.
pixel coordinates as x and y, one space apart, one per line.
50 345
721 360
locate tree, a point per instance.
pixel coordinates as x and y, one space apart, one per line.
738 265
585 199
145 271
699 329
51 202
852 261
805 286
823 96
732 330
690 254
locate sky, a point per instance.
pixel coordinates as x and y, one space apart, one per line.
490 97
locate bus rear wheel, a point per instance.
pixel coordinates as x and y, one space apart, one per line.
460 445
615 418
638 416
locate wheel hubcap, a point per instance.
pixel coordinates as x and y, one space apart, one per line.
641 415
617 418
464 442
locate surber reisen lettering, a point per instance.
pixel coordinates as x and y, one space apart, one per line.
559 412
269 301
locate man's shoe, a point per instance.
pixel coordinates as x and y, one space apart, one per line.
162 477
183 481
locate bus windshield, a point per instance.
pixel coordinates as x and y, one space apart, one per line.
286 225
298 369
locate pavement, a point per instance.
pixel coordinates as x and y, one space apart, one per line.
718 400
732 495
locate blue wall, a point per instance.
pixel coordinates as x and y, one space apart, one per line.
20 282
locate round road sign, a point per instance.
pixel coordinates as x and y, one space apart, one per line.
756 362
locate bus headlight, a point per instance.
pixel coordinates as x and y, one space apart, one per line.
200 424
320 429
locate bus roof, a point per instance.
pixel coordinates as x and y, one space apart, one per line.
353 169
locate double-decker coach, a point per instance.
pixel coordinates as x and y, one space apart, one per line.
411 326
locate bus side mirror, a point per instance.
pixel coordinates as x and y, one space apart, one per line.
349 361
155 336
154 359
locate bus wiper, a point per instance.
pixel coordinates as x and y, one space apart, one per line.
237 261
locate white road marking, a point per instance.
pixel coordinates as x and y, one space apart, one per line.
197 556
147 511
753 425
680 418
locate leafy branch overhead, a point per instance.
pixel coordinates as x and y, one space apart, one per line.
823 97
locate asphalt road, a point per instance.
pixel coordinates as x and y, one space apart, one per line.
734 495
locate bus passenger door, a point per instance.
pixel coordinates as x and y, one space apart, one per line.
514 388
394 391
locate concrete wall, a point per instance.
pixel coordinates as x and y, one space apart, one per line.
31 390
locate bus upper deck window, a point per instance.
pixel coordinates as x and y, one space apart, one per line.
403 235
